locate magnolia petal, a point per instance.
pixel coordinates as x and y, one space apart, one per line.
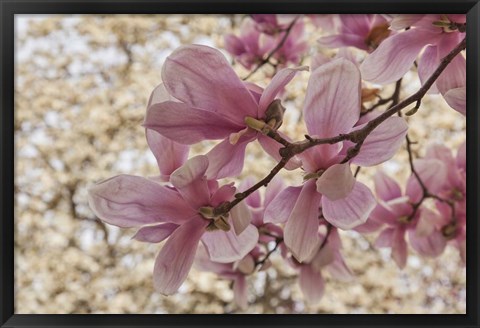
226 247
461 158
240 292
155 234
384 213
130 201
395 56
339 269
277 84
272 147
332 102
254 199
190 181
311 283
241 217
427 64
457 99
202 77
159 95
176 257
351 211
399 248
273 189
343 40
336 182
203 263
324 257
431 245
222 194
280 208
301 230
382 143
226 160
385 187
186 124
385 238
433 174
170 155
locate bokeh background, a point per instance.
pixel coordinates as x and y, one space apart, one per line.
82 84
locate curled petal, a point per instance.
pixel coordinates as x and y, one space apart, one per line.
336 182
130 201
176 258
226 247
351 211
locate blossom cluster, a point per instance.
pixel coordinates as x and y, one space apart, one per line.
232 231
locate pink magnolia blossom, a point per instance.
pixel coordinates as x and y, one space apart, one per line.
179 213
396 210
364 32
327 257
272 23
251 46
237 271
437 35
211 102
332 107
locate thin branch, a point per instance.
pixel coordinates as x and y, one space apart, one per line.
357 136
274 50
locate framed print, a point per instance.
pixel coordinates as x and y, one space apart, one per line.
181 163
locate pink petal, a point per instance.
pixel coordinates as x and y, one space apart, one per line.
272 147
254 200
359 24
273 190
202 77
384 213
225 247
344 40
311 283
170 155
455 74
431 246
155 234
159 95
277 84
233 45
399 248
190 181
351 211
385 238
176 258
382 143
456 98
433 174
385 187
301 230
427 64
323 257
226 160
280 208
336 182
222 194
371 225
241 216
130 201
399 22
203 263
240 292
332 102
339 269
395 56
188 125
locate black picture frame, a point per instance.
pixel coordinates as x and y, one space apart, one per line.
9 8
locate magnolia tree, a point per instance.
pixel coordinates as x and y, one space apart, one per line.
233 230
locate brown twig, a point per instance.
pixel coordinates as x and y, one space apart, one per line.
274 50
357 136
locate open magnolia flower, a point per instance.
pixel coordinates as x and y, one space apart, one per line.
210 102
332 107
183 214
438 34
